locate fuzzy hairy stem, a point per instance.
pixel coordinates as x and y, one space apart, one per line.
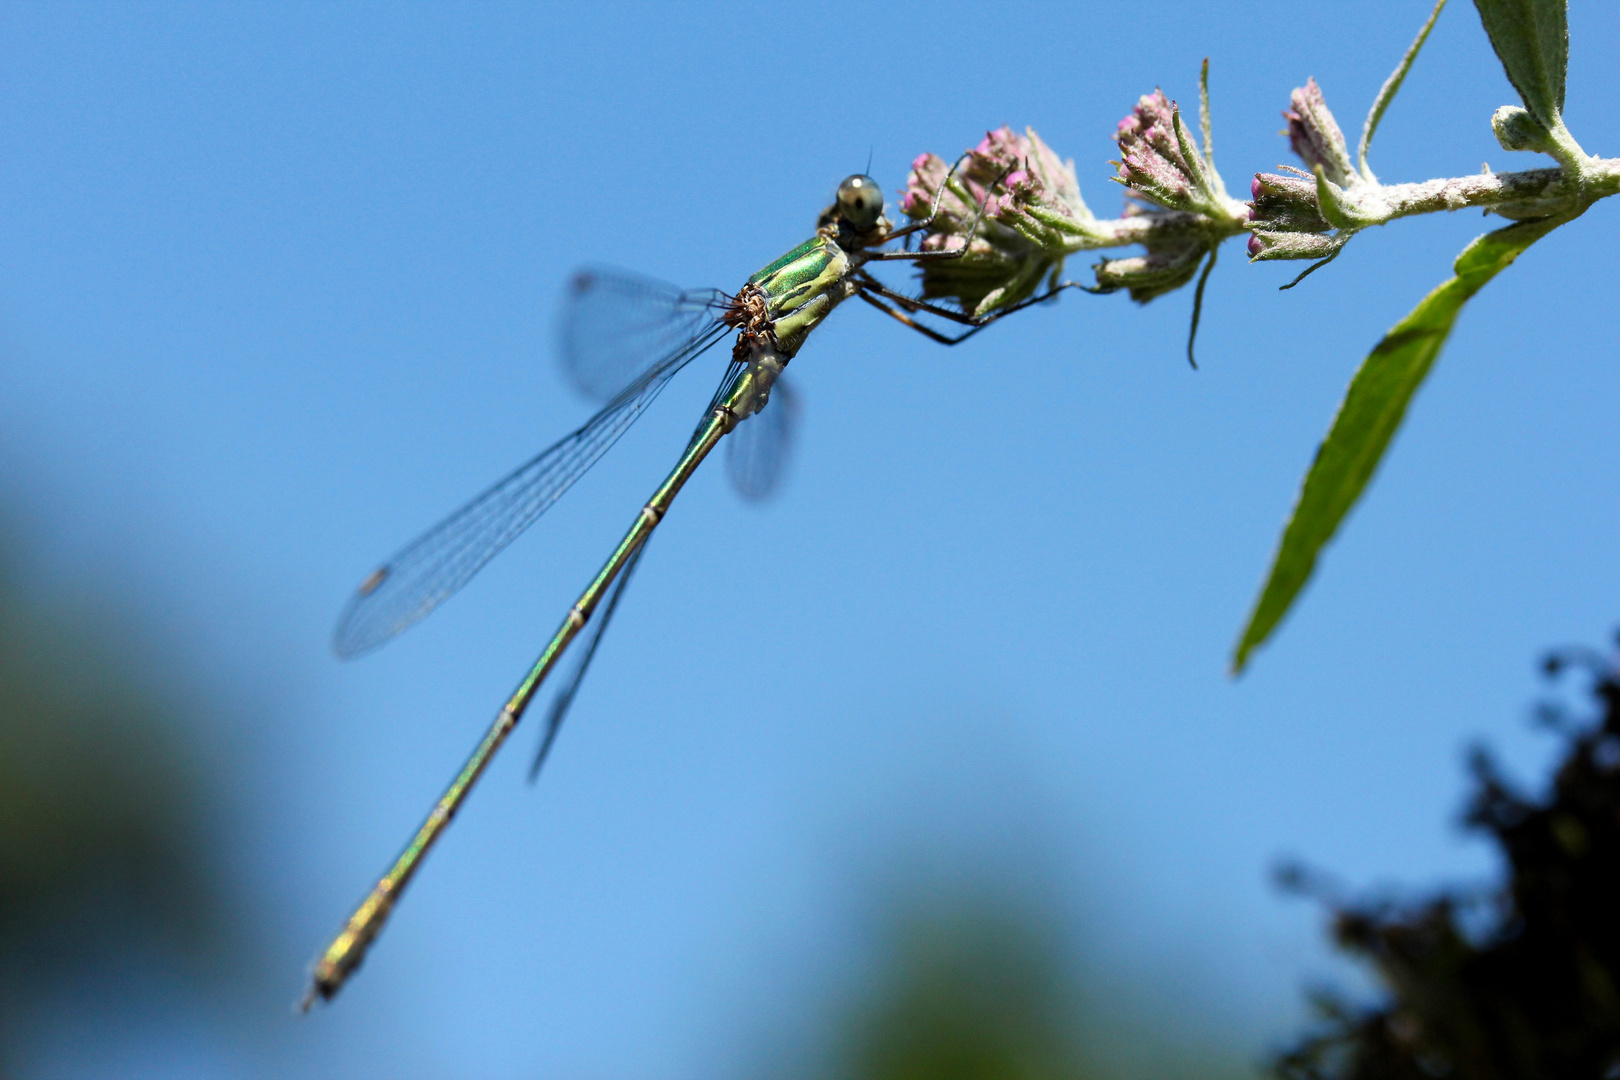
1532 193
1527 194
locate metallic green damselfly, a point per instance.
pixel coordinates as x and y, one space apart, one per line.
627 337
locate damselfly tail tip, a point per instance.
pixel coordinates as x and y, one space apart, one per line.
324 983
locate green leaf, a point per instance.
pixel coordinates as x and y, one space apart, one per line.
1531 38
1371 412
1386 93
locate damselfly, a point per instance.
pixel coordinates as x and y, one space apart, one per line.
625 338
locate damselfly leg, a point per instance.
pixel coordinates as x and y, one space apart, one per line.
871 288
933 211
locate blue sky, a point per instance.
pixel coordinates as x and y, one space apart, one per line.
276 292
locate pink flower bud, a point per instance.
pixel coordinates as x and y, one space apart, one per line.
1285 204
1163 269
1292 245
1019 202
1315 135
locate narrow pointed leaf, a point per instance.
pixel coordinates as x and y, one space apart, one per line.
1368 417
1531 38
1386 93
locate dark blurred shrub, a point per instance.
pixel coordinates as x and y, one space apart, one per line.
1519 981
104 835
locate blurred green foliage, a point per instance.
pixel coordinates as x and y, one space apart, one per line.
104 807
971 994
982 985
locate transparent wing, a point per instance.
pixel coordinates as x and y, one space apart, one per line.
427 571
565 696
615 323
604 612
757 452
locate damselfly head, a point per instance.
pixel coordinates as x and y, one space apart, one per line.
860 202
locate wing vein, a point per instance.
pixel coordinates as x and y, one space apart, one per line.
431 568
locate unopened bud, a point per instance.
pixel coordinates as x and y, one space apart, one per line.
1285 203
1517 129
1160 162
1264 245
1315 135
1160 271
1019 202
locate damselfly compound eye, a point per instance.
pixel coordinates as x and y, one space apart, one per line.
860 200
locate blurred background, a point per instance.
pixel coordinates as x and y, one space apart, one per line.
929 767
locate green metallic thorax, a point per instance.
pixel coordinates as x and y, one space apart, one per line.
802 288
